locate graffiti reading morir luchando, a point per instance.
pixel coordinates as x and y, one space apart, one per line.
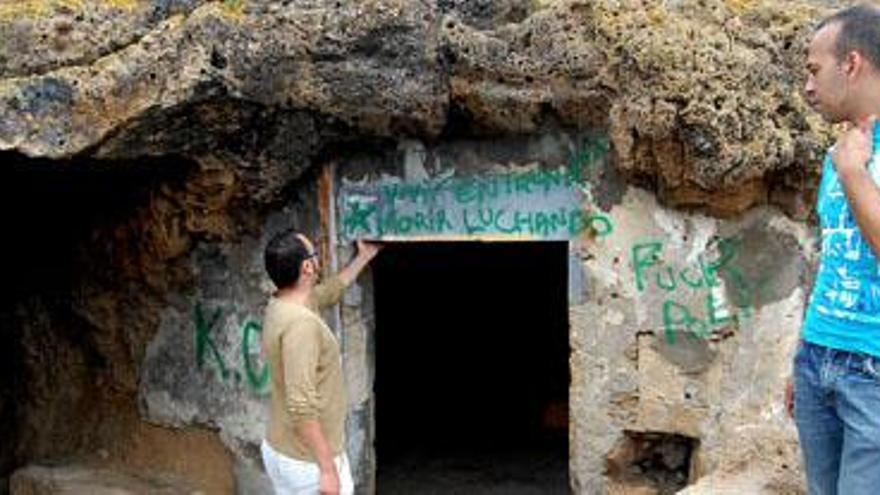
539 203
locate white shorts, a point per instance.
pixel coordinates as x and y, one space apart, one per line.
295 477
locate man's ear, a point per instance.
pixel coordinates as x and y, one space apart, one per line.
313 268
853 63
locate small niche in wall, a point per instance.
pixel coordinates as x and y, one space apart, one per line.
655 462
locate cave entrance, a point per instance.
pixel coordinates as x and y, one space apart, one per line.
472 368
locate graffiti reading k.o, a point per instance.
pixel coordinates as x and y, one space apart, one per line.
210 356
542 203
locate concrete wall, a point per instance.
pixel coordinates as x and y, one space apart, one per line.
680 323
687 328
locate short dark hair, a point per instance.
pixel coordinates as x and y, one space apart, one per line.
859 31
284 257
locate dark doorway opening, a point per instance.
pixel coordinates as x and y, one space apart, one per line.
472 368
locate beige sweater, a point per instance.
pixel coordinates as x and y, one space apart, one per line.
306 372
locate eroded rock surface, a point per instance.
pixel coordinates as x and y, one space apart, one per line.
700 99
81 480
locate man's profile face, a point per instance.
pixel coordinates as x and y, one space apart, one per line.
827 85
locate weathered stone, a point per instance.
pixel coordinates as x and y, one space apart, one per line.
82 480
485 14
251 479
674 399
720 380
372 65
752 482
702 99
39 36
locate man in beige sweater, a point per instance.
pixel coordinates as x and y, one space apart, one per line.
304 450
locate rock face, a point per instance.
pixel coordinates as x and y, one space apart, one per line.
150 149
79 480
702 101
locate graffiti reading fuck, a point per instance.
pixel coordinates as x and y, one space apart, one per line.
208 355
538 203
714 279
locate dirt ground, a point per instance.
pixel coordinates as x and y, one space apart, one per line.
527 472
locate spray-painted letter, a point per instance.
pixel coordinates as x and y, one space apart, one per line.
204 342
257 380
643 256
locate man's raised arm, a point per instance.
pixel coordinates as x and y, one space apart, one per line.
330 292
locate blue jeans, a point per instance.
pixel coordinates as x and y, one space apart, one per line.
837 411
